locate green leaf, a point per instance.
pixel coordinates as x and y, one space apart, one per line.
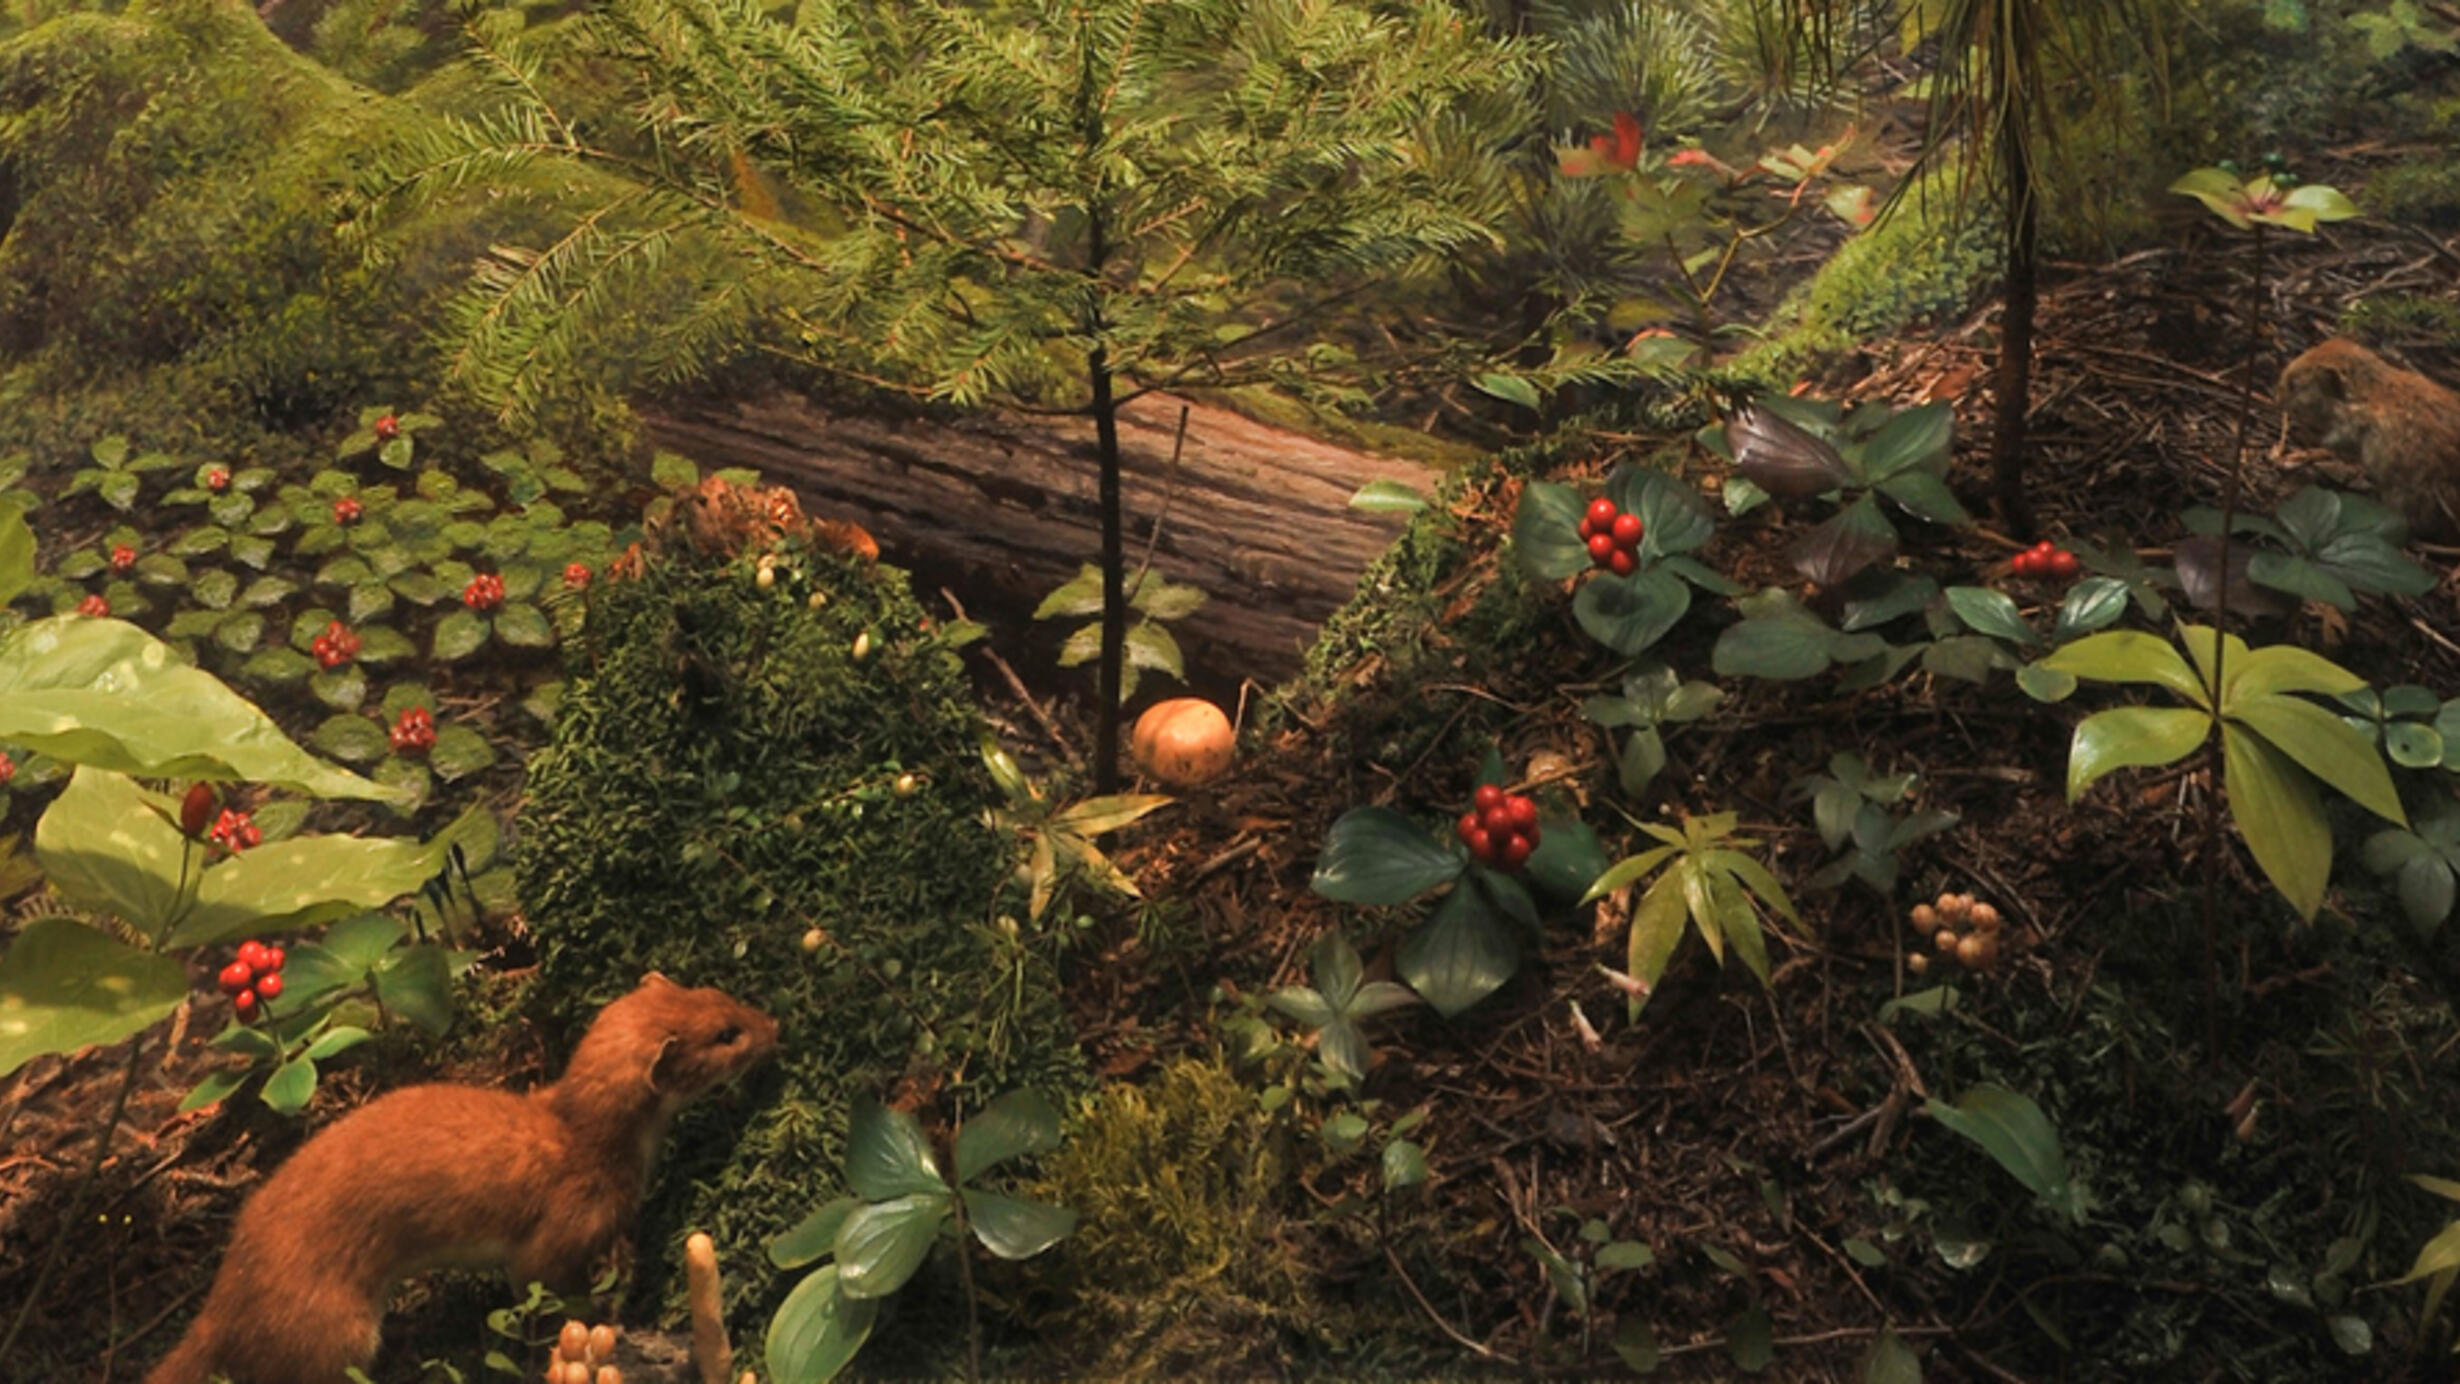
64 986
884 1242
815 1236
1568 859
350 738
1017 1125
1630 614
2129 656
1636 1345
1546 531
2427 886
1512 389
1387 497
887 1155
1779 650
241 633
2325 746
1460 955
1623 1255
2131 737
1855 537
1752 1340
2275 808
1014 1229
525 626
1674 519
105 846
1404 1165
343 688
459 635
671 471
2280 668
417 984
214 588
215 1087
1890 1360
1914 437
1379 857
2013 1130
1992 613
459 752
1927 496
363 941
281 667
335 1041
293 885
291 1087
817 1330
16 554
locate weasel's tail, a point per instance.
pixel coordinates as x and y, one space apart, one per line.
190 1362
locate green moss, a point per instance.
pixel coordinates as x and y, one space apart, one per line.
723 779
2408 316
2424 191
1183 1261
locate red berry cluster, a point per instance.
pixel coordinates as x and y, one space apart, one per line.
485 592
576 576
235 832
255 977
2047 559
218 480
123 557
347 509
95 606
1501 830
336 646
414 733
1613 537
387 428
8 768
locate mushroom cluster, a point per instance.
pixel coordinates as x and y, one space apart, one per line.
1961 929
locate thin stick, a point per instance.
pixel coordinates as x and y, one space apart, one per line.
1050 725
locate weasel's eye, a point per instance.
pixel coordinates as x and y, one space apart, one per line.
727 1036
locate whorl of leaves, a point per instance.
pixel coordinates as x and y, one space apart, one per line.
721 781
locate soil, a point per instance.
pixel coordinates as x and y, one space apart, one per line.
1760 1142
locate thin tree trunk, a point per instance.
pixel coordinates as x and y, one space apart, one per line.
2015 378
1114 579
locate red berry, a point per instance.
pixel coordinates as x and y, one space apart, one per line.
273 958
1524 813
245 1004
1482 846
1530 836
8 769
347 510
269 987
1588 530
1515 851
1601 547
196 811
1497 819
252 955
1622 561
2064 566
235 977
576 575
217 480
387 428
123 557
1468 827
1601 513
95 606
1487 796
1627 530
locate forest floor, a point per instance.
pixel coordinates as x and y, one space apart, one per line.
1769 1146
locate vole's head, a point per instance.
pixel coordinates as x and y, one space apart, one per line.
685 1040
2323 393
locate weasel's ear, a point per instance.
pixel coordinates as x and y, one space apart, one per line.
656 978
659 1065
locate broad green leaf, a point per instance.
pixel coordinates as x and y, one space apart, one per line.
1674 519
1078 597
2014 1131
335 1041
1387 497
1636 1345
1303 1003
106 693
887 1156
16 554
524 626
1622 1255
459 752
2130 737
1460 955
1926 495
1752 1340
2128 656
343 688
281 667
1780 650
1630 614
1015 1229
1568 859
1546 531
1656 928
1379 857
817 1330
105 846
416 984
350 738
884 1242
1890 1360
2325 746
64 985
1512 389
2427 886
1914 437
2275 808
1017 1125
291 1087
289 886
1854 538
459 635
2277 668
1992 613
1404 1165
216 1086
815 1236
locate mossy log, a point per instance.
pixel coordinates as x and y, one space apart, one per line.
1002 505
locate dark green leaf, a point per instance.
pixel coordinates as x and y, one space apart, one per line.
2013 1130
817 1330
1854 538
1377 856
1460 955
1012 1228
815 1236
1630 614
887 1155
1017 1125
1546 531
884 1242
1992 613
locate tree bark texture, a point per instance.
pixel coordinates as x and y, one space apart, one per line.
1004 507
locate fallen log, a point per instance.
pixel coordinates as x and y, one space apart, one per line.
1001 507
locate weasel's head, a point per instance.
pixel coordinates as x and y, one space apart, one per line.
693 1039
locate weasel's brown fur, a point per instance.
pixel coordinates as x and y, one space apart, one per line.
2402 427
459 1176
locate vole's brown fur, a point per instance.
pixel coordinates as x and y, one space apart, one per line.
2402 427
459 1176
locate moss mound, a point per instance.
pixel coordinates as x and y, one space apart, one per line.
1183 1261
724 778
